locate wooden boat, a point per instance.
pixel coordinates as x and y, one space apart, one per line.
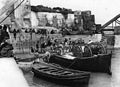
97 63
25 66
60 75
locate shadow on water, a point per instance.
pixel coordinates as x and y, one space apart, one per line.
44 83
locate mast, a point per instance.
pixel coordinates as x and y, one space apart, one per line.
23 13
7 6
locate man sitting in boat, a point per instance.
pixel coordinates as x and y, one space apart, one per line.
44 56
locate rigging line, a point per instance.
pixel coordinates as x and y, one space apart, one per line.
117 21
7 8
11 12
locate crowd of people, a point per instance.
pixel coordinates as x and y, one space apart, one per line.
61 45
67 45
56 45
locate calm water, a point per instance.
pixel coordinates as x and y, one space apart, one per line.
96 79
36 82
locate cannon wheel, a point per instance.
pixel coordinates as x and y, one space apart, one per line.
60 51
57 50
87 51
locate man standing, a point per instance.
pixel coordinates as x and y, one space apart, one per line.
14 33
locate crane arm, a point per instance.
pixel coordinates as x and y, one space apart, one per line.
111 21
12 11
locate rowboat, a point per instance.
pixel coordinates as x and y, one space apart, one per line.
60 75
96 63
25 66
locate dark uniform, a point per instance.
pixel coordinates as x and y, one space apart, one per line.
5 47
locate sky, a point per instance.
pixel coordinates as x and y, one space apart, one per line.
103 10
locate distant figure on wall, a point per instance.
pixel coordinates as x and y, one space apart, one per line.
55 21
14 33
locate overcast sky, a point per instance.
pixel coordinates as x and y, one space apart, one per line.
103 10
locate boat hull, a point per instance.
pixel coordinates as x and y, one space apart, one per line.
99 63
81 78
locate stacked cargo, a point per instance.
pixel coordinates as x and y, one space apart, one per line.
84 20
78 20
88 20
